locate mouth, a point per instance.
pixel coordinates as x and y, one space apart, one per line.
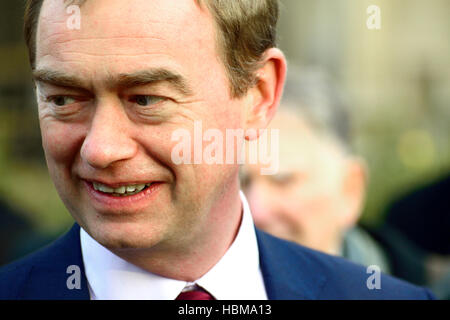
121 191
122 197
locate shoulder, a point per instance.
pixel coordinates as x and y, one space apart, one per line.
15 275
12 277
19 275
331 277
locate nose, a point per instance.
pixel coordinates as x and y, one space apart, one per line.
108 140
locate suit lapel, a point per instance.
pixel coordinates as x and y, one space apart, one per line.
49 275
288 273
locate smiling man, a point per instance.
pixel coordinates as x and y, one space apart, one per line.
110 94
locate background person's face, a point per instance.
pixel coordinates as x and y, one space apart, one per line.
305 201
121 135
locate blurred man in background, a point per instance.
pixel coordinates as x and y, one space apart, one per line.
318 194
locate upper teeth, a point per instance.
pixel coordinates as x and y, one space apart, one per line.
133 188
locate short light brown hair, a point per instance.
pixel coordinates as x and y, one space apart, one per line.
246 29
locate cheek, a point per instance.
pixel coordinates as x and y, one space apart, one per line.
157 141
61 141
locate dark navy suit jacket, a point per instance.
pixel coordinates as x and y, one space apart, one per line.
290 271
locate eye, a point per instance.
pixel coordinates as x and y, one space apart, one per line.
283 179
144 100
61 101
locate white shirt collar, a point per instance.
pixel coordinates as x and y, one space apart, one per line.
237 275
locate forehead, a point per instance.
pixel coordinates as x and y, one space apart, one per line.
129 31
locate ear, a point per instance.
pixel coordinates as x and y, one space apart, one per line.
354 190
263 99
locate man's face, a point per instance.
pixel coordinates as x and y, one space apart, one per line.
304 201
110 95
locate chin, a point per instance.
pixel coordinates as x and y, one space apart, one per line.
124 236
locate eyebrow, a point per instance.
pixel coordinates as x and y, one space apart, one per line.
145 77
58 78
123 80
